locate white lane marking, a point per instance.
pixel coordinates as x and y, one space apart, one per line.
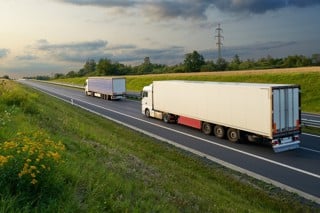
311 150
317 136
198 138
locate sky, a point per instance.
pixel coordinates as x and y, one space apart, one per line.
43 37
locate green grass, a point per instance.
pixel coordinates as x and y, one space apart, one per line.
307 78
109 168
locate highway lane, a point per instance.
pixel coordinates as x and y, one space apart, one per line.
296 170
311 116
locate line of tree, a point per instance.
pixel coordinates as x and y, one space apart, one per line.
193 62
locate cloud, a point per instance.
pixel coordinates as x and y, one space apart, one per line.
255 51
26 57
101 3
75 46
34 68
194 9
4 52
75 51
274 45
79 52
169 55
259 6
122 47
173 9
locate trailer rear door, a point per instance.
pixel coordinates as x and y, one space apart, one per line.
286 111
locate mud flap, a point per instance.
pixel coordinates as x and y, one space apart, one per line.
286 146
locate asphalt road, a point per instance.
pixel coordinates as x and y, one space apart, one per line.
296 170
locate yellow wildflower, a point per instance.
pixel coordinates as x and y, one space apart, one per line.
3 160
34 181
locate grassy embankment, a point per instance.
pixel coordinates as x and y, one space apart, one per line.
99 166
307 78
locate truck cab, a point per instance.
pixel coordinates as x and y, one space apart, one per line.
86 90
147 101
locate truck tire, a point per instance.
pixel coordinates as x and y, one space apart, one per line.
166 118
233 135
219 131
147 113
206 128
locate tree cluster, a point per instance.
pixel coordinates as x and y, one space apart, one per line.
5 77
193 62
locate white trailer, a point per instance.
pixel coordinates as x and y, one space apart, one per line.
268 112
108 88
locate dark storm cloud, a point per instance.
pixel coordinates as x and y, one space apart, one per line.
3 52
259 6
195 9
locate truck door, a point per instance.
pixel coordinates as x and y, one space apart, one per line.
286 110
146 100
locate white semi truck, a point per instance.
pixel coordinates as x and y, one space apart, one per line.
108 88
259 112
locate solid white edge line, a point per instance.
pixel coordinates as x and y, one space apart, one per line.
226 164
317 136
311 150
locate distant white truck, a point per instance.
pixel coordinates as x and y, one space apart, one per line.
259 112
108 88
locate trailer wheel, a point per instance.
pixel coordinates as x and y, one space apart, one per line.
166 118
219 131
147 113
233 135
206 128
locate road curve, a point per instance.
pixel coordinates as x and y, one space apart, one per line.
297 170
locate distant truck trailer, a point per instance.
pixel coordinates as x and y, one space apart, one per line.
256 112
109 88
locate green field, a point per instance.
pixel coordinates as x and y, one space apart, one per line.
99 166
308 78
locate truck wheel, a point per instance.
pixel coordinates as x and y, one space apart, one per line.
147 113
166 118
219 131
206 128
233 135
